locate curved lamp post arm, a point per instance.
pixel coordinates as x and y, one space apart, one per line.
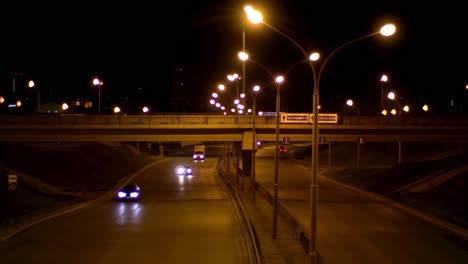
263 67
340 47
294 65
295 43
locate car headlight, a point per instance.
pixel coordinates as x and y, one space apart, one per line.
134 194
121 194
180 170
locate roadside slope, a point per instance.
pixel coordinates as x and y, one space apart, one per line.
50 175
446 200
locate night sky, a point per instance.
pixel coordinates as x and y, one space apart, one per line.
135 48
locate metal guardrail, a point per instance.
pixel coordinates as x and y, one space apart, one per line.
254 243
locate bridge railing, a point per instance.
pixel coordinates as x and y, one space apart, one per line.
404 120
206 119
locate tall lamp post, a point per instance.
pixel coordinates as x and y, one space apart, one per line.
383 79
462 112
98 83
256 89
277 80
146 110
243 62
256 17
31 85
244 56
234 110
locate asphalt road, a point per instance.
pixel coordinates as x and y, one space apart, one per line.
177 220
353 226
191 220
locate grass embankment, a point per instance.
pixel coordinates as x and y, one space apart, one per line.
444 196
51 174
374 167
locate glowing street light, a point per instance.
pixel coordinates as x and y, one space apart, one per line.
406 108
383 79
425 108
393 96
146 111
351 104
256 17
98 83
234 78
65 107
31 85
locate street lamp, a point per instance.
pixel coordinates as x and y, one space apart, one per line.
393 96
98 83
383 79
256 89
351 104
118 112
464 101
256 17
406 108
277 80
146 110
234 78
31 85
65 107
425 108
243 49
236 108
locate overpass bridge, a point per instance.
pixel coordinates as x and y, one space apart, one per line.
221 128
231 130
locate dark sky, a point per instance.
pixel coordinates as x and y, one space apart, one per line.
133 45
